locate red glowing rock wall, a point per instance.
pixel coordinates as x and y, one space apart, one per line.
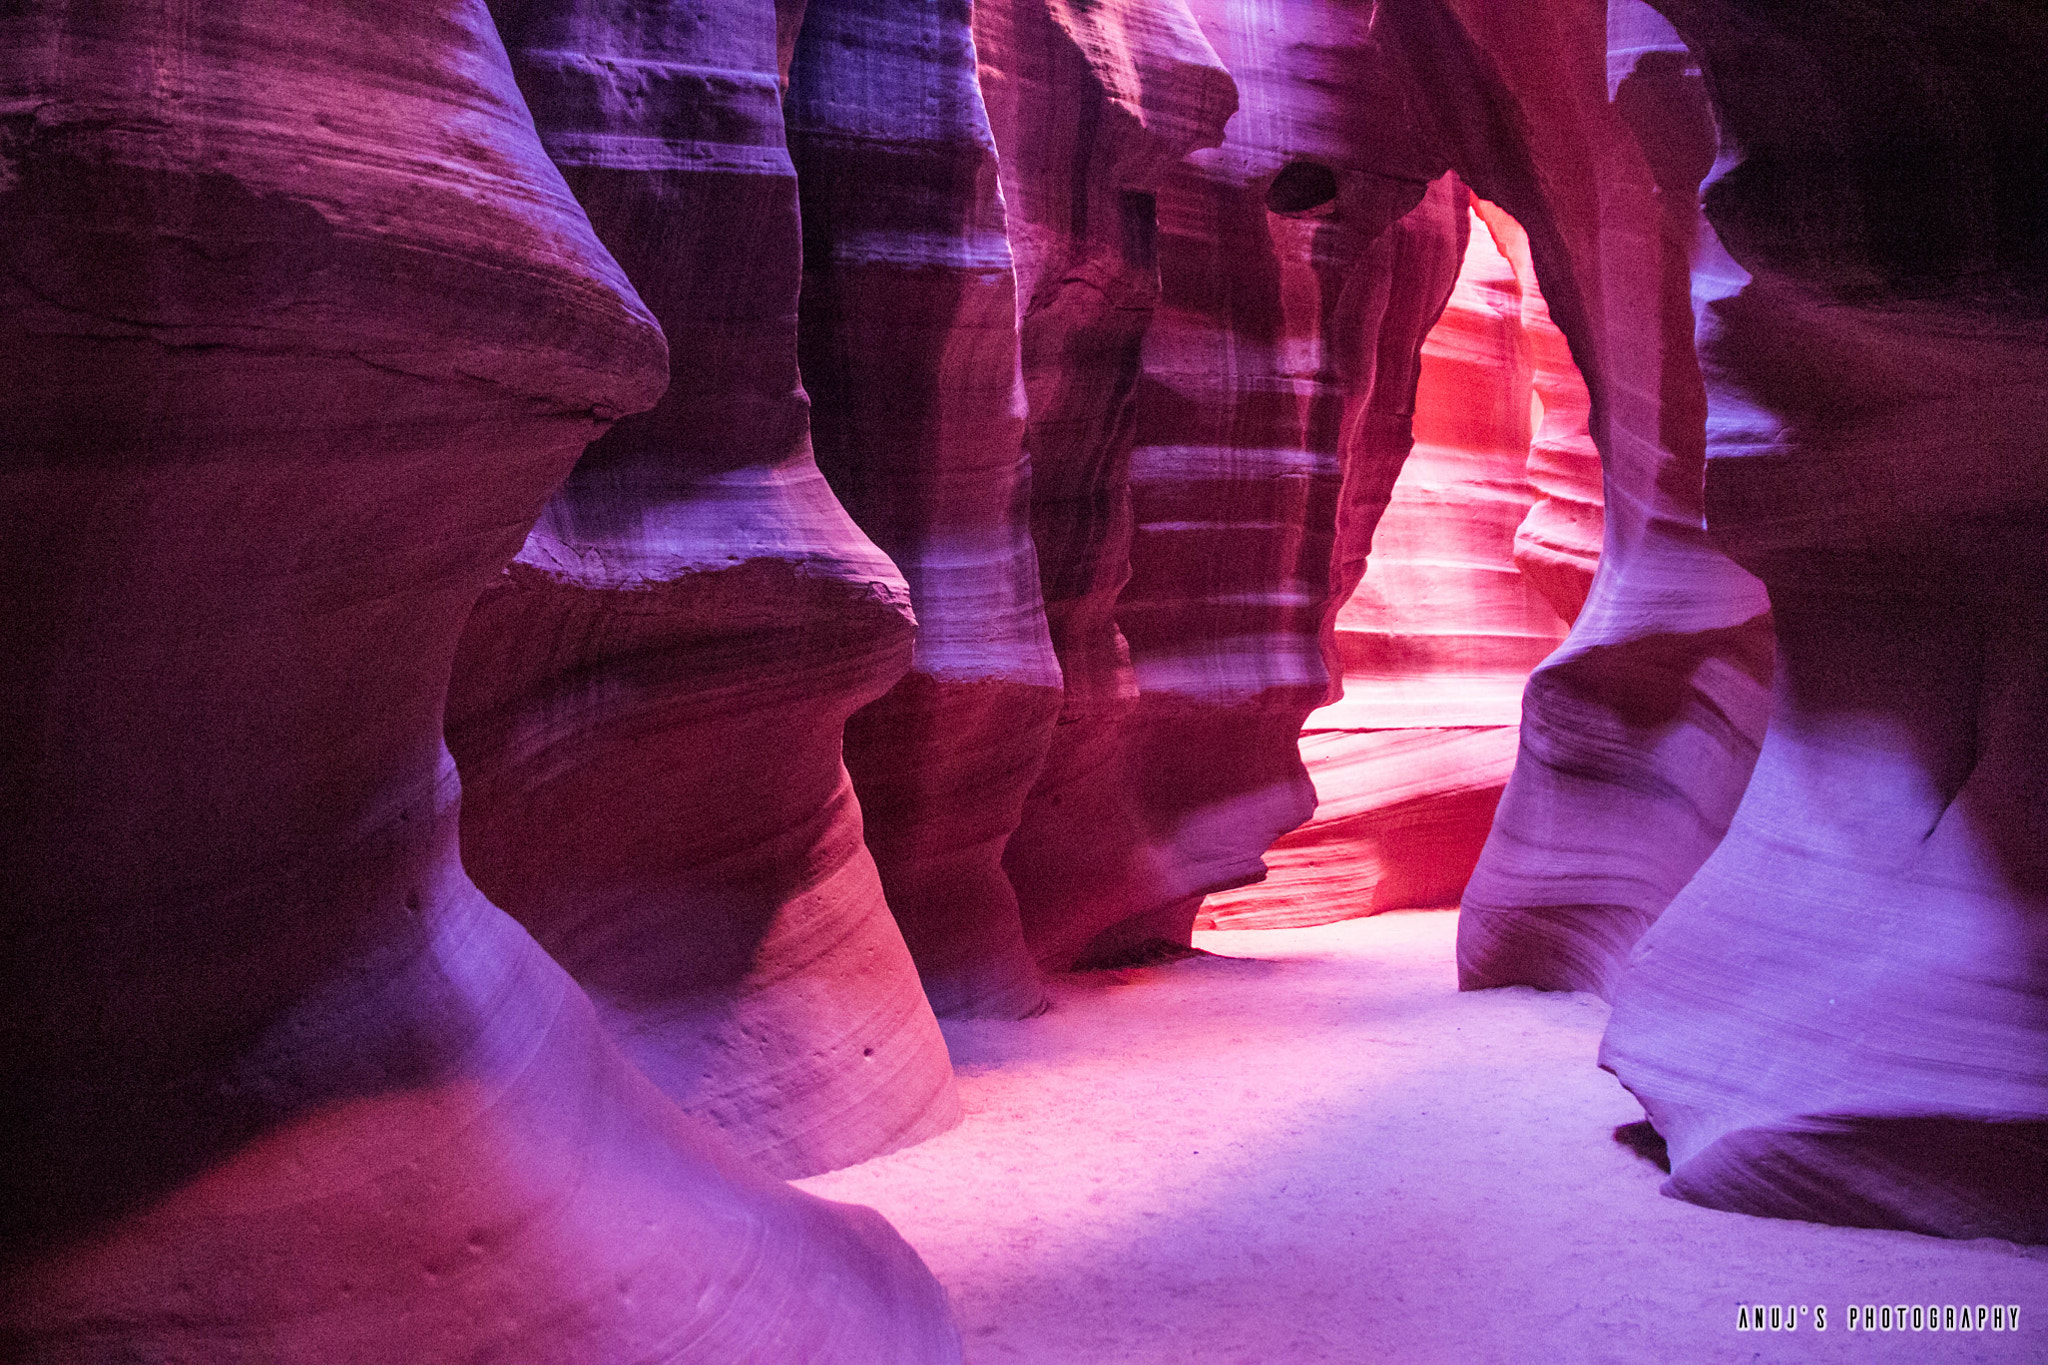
1231 483
301 329
647 705
1557 546
1436 642
1844 1016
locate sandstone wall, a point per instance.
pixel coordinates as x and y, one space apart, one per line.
648 703
1638 735
1844 1016
909 351
1260 287
1437 640
301 329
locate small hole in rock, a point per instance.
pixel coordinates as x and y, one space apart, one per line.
1301 186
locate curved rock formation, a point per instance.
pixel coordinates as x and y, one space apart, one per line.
300 329
647 705
1639 733
1239 646
1557 546
1844 1016
1278 261
1089 107
909 352
1436 642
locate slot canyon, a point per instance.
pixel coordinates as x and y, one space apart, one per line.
900 682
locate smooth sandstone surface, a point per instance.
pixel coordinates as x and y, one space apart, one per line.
909 350
1638 735
301 330
1401 815
1302 263
1268 392
647 705
1844 1015
1436 642
1090 106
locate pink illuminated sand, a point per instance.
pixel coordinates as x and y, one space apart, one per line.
1317 1150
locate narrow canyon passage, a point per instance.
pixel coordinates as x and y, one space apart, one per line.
869 682
1313 1148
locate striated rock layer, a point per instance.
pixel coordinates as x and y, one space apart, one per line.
1400 818
909 352
647 705
1557 546
1444 629
1639 733
1844 1016
1089 106
1436 642
1287 278
300 329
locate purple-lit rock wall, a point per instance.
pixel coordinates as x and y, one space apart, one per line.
1639 733
1840 1014
910 354
1844 1016
647 705
301 329
1438 639
1261 285
1089 106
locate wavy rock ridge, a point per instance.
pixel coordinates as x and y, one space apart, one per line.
647 707
1875 359
281 1083
910 353
1439 637
1639 733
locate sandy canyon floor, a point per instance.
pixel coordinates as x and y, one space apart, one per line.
1313 1148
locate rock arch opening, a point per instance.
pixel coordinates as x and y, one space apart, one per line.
1482 557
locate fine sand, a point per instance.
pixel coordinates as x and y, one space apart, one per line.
1314 1148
